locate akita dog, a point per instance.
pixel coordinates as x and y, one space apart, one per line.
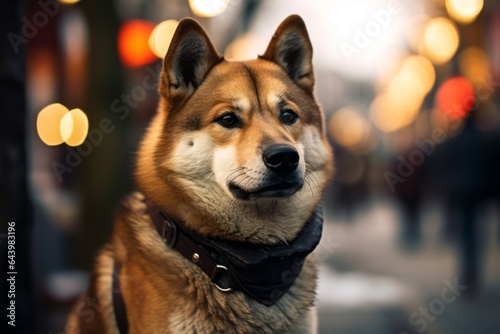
230 176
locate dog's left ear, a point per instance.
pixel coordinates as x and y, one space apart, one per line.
291 48
190 57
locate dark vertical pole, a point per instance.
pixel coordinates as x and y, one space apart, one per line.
15 204
105 172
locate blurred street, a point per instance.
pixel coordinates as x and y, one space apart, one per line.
370 282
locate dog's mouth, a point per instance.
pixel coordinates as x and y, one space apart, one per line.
275 190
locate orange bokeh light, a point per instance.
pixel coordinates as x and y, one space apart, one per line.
133 46
455 98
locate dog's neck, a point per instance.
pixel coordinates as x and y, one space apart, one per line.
208 210
265 273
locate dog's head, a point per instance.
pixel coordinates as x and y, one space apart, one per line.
237 149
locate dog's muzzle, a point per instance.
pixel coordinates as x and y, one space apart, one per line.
282 178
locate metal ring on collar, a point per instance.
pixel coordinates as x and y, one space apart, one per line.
217 274
173 237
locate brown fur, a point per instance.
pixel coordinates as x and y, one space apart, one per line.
184 163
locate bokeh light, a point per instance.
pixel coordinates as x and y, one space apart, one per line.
416 75
349 128
439 41
74 127
68 2
133 46
66 126
455 98
415 29
161 36
392 111
464 11
243 48
48 124
475 65
399 104
56 124
208 8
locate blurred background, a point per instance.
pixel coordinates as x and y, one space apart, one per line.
410 91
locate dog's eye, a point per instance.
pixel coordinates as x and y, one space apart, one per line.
288 117
229 120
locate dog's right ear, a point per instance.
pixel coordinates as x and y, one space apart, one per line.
190 57
291 48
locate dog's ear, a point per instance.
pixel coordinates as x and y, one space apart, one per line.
190 57
291 48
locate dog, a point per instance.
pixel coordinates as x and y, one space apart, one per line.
230 174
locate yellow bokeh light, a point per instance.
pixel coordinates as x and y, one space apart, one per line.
392 111
161 36
415 28
464 11
399 104
56 124
242 48
48 124
439 41
74 127
66 126
68 2
416 75
349 128
208 8
475 65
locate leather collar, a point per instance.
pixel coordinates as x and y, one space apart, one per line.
264 273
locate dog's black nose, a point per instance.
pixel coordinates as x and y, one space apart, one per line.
280 158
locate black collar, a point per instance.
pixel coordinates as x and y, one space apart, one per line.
264 273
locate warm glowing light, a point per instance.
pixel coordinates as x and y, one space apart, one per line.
208 8
66 126
455 98
349 128
416 75
47 123
55 125
161 36
439 41
243 48
74 127
464 11
392 111
475 65
399 104
388 70
68 2
415 28
133 45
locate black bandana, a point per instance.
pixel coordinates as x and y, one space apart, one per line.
264 273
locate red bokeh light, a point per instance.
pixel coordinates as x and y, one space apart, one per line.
133 46
455 98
